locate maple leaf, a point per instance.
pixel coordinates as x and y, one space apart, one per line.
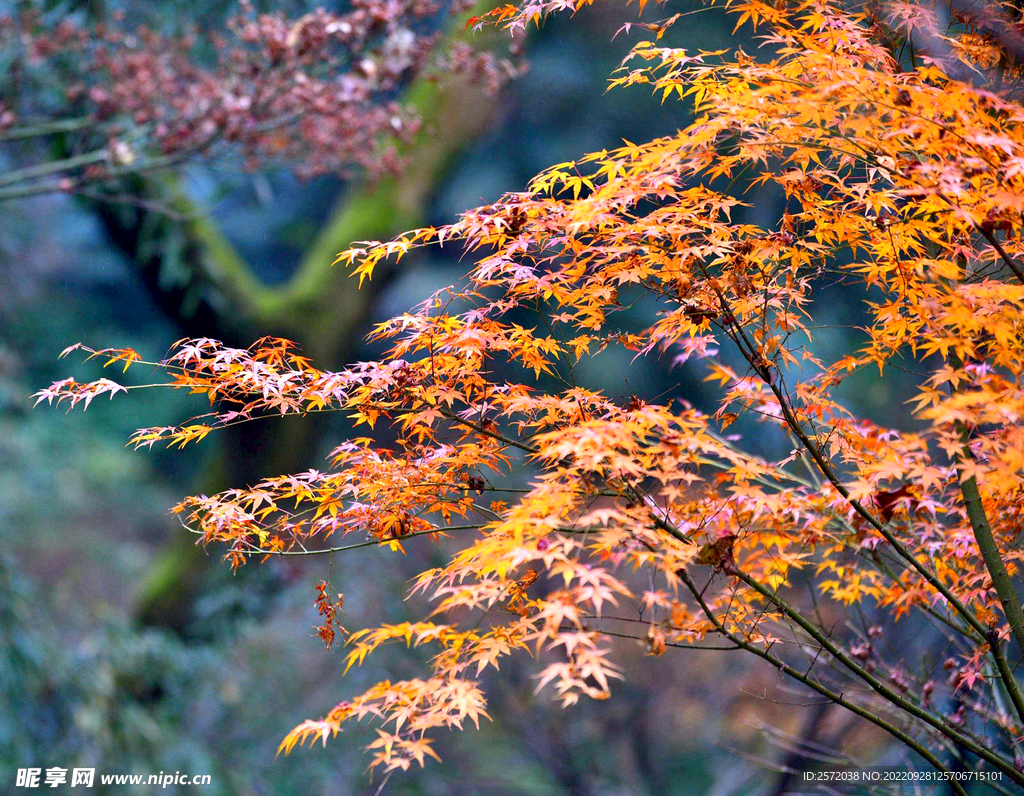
888 502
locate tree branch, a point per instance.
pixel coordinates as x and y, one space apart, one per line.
814 685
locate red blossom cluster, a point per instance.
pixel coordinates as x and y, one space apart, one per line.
316 93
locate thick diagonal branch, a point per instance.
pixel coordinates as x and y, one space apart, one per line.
982 528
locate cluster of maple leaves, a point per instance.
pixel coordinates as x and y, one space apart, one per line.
901 182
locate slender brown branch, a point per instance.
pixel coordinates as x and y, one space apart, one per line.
820 688
1006 673
877 685
1012 264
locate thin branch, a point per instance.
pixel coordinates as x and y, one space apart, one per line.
814 685
877 685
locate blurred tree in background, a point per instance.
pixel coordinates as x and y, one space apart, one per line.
106 106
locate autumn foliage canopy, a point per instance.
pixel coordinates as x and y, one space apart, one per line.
896 136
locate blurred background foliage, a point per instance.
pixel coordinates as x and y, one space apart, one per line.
125 648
